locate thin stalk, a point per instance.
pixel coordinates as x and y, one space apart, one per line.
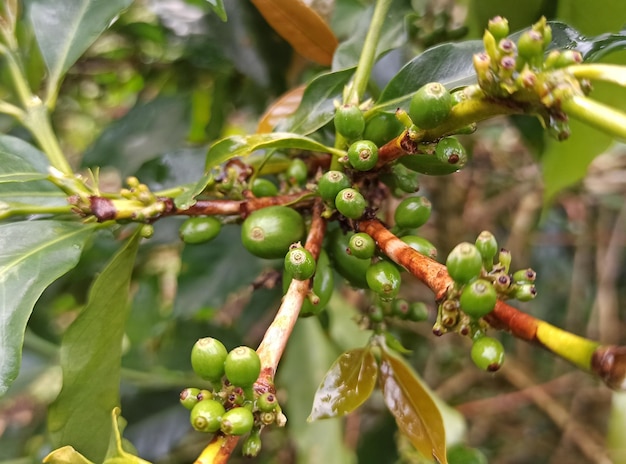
37 121
17 76
368 54
12 110
597 115
25 210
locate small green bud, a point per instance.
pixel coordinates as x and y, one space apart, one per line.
251 446
189 397
525 292
499 27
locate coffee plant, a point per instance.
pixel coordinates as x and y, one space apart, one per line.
248 226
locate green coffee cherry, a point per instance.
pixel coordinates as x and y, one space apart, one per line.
237 421
421 245
323 286
350 267
464 262
251 446
267 402
478 298
418 312
199 229
263 188
413 212
268 232
487 245
361 245
400 308
428 164
382 128
524 276
375 313
189 397
384 278
363 155
350 203
207 415
330 184
299 262
461 454
487 353
525 292
349 121
430 105
450 151
207 358
297 172
204 394
242 366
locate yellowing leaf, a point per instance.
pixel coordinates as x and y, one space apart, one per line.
66 455
415 412
301 26
347 384
285 106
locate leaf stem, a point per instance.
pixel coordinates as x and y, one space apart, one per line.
24 210
368 54
597 115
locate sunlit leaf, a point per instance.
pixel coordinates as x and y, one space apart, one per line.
413 408
317 108
32 255
347 384
301 26
64 30
91 353
242 145
66 455
285 106
116 453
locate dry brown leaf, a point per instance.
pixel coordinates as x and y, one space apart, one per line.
301 26
283 107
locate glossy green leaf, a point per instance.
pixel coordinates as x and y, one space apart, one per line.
91 353
144 133
34 254
243 145
317 108
393 35
64 30
217 6
188 198
413 408
19 160
347 384
300 371
23 172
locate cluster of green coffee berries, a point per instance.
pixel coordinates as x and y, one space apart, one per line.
232 406
478 284
522 70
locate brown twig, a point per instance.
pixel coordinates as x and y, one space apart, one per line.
276 337
607 362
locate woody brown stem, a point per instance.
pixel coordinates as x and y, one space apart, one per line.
607 362
275 339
